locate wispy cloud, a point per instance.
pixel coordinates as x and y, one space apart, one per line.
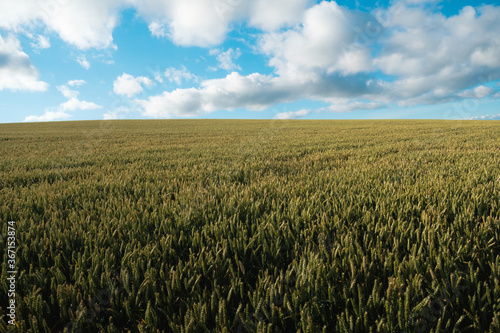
486 117
177 75
226 59
82 60
292 114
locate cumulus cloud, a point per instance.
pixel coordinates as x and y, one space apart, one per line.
334 41
178 103
206 23
82 23
48 116
158 30
324 43
272 15
482 91
187 22
434 58
478 92
178 74
75 104
129 85
323 51
292 114
72 104
330 57
90 23
255 91
16 70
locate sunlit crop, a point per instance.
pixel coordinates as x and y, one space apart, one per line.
245 226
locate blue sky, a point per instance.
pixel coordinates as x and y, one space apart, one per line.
260 59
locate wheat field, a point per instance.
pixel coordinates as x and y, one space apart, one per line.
252 226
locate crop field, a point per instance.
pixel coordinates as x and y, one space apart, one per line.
252 226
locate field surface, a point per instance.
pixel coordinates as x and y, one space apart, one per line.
246 226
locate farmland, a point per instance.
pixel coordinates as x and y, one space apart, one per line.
244 226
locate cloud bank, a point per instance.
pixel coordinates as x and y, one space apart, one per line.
407 54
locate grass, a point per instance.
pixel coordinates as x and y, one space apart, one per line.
244 226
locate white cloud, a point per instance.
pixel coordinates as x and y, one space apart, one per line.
292 114
334 43
16 70
214 52
321 51
188 22
177 75
178 103
39 42
196 23
90 23
82 60
271 15
482 91
158 77
158 30
354 106
129 85
254 92
478 92
328 57
75 104
324 43
206 23
486 117
76 83
226 59
48 116
82 23
72 104
421 2
67 92
86 23
434 58
487 55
